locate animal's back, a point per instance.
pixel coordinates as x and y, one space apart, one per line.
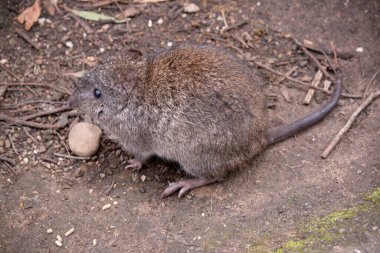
209 106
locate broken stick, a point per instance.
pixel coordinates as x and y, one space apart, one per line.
310 93
348 124
62 122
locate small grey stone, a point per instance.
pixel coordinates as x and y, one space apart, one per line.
295 74
302 63
341 102
190 8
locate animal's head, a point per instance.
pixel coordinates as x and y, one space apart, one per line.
104 90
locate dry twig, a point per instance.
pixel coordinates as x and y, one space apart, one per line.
8 160
21 122
27 39
37 85
326 51
348 124
370 82
12 144
73 157
46 113
312 57
300 82
288 77
63 143
110 188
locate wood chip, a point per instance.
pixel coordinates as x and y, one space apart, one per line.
310 93
285 93
71 230
326 85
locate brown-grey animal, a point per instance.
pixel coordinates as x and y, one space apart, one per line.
196 105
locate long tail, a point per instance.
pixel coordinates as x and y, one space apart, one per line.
280 133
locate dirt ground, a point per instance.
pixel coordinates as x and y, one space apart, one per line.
258 209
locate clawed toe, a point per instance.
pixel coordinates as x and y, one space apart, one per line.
173 187
134 164
185 186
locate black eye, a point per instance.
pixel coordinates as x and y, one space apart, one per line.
97 93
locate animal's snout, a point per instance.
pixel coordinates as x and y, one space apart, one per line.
73 101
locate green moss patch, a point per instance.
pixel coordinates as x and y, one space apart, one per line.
321 233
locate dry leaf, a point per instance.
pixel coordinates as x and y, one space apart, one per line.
148 1
51 6
30 15
94 16
78 74
129 12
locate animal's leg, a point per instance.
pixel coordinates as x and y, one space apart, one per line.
134 164
185 186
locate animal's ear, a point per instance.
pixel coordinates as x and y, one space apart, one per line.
134 54
130 77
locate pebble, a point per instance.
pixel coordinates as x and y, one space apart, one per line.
359 172
69 232
150 23
59 238
191 8
302 63
7 144
160 21
94 242
84 139
360 50
295 74
69 44
49 231
58 243
41 21
42 149
102 175
81 170
106 206
341 102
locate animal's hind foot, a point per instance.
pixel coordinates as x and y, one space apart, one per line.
184 186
